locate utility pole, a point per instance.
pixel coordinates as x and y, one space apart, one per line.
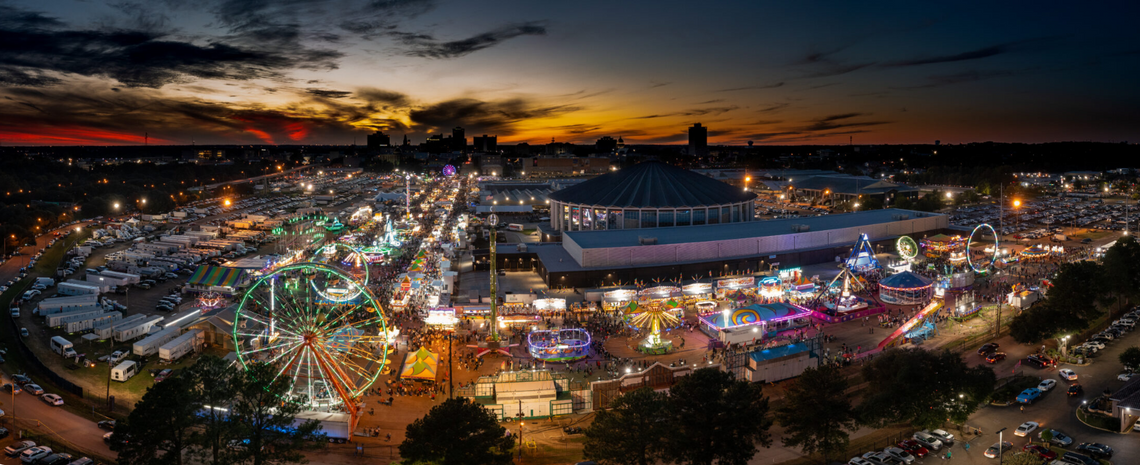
493 220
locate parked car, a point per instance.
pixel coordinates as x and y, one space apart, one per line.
58 458
900 454
9 388
33 389
1029 395
1040 451
1125 376
52 399
1078 459
1095 449
928 441
987 348
946 438
1059 438
18 448
913 447
35 453
997 449
108 425
1026 428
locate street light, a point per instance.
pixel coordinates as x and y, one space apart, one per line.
1001 447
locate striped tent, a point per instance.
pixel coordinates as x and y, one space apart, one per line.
421 364
216 276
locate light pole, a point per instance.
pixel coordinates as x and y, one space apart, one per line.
521 416
1001 446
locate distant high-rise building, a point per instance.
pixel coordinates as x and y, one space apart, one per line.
458 140
621 143
378 139
486 143
406 143
937 143
698 140
606 144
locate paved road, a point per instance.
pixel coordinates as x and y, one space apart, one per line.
1055 409
66 426
9 269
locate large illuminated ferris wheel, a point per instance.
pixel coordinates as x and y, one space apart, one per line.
331 350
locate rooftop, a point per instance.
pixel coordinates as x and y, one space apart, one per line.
715 232
652 185
843 184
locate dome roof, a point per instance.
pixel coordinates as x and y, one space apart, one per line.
652 185
906 280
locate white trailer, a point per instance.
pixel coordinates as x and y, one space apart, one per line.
70 301
150 344
137 329
181 346
70 288
90 323
58 319
130 278
183 319
105 329
57 310
124 371
105 281
337 427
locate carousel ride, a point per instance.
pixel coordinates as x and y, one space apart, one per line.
329 351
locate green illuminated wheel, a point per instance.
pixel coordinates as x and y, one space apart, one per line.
906 248
330 349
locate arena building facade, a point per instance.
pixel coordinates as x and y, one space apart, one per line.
602 258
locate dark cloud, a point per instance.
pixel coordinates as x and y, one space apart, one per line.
427 46
774 108
941 80
840 121
11 76
655 84
759 86
835 70
138 58
711 111
324 93
383 97
483 117
977 54
709 102
383 15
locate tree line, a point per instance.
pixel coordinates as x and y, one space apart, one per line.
1080 293
216 414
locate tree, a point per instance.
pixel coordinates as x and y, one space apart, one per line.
1069 307
267 423
817 411
716 419
923 388
1036 323
457 432
213 383
1121 270
159 429
632 432
1130 358
1046 435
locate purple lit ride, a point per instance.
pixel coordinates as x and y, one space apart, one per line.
561 345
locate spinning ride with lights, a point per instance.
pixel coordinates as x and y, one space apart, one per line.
330 353
350 259
907 248
654 317
981 266
559 346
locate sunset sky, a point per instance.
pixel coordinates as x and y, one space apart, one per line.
322 72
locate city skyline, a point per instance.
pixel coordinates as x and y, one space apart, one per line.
326 72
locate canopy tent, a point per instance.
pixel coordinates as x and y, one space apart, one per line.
215 277
1035 251
421 364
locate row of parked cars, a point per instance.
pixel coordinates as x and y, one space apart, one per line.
907 451
31 454
21 383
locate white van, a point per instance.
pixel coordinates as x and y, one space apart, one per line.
62 346
124 371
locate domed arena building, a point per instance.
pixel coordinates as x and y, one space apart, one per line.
648 195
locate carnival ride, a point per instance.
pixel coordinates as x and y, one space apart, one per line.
328 352
838 295
559 345
906 248
983 266
654 317
350 259
862 259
